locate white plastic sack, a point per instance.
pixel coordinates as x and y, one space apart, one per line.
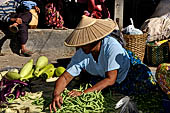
131 30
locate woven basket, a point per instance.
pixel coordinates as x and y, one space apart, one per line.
157 54
136 44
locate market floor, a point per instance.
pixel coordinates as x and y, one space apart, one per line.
14 60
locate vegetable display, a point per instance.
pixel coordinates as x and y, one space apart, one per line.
86 103
59 71
12 75
12 81
41 63
47 67
25 70
10 89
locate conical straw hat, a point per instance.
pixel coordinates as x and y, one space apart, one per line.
90 30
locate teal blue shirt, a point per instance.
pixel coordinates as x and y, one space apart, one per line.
112 57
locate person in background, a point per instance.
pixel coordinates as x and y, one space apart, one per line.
52 14
72 10
97 9
16 15
102 55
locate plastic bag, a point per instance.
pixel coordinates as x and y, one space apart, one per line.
131 30
126 105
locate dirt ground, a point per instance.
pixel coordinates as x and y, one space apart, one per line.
14 60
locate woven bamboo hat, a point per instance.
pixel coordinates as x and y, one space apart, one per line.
90 30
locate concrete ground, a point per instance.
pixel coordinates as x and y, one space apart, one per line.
14 60
48 42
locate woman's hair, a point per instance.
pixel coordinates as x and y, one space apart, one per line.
119 37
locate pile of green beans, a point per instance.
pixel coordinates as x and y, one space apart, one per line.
11 98
86 103
38 101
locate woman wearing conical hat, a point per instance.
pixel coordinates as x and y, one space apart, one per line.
104 58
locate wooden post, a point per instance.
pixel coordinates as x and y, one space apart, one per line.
118 12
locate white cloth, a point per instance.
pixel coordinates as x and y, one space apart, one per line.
158 28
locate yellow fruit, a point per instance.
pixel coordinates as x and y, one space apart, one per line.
59 71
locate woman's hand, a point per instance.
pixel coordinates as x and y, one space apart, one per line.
18 20
75 93
60 85
56 100
37 9
96 14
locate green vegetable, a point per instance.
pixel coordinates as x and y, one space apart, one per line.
86 103
30 75
59 71
38 101
10 98
12 75
40 64
3 73
26 69
49 72
44 69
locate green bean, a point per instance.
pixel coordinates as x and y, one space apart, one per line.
10 98
84 103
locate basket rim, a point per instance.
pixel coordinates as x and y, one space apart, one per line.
136 36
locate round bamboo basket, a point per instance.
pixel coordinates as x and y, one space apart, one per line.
136 44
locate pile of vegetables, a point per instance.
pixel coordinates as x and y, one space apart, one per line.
87 102
12 81
10 90
41 69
